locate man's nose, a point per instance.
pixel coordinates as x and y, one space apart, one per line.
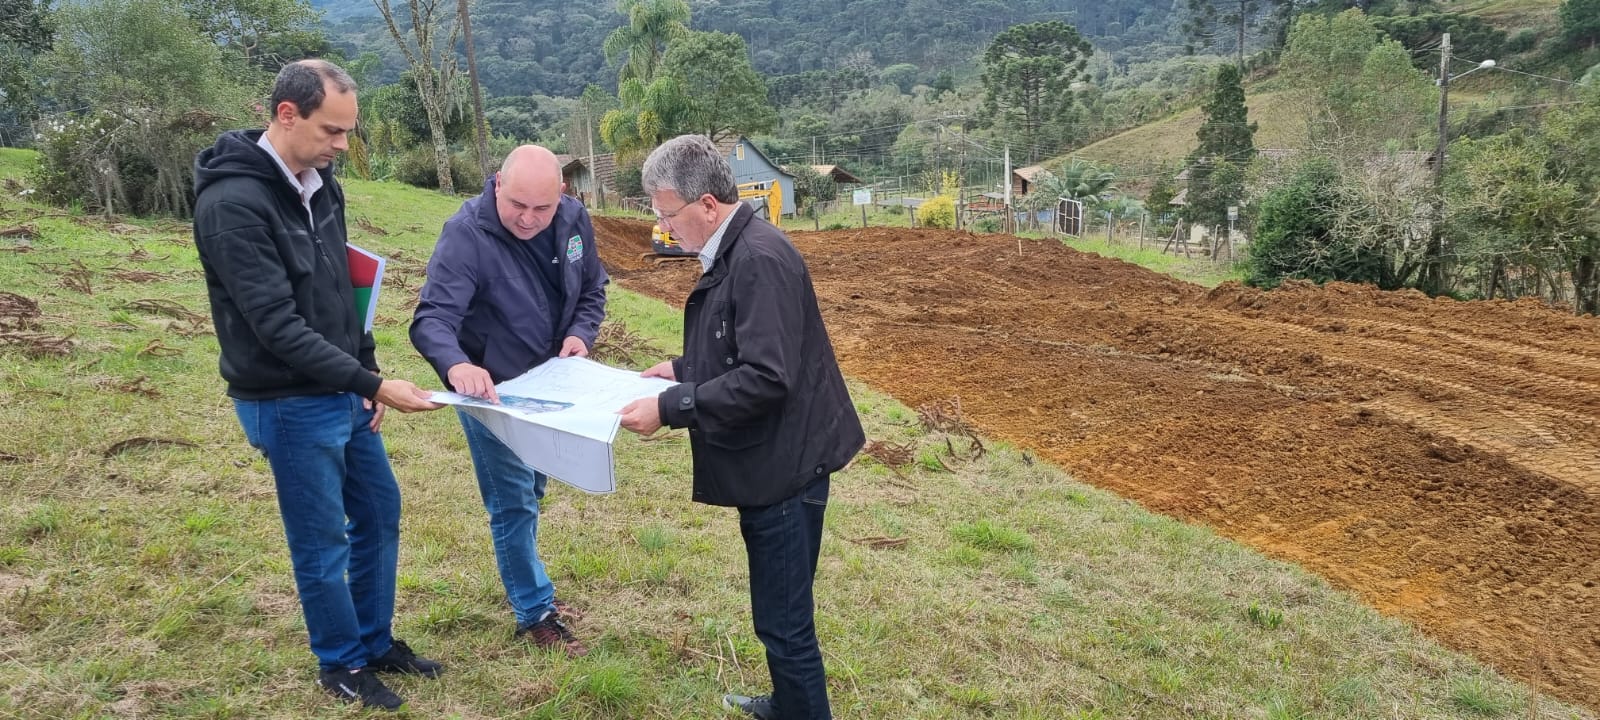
341 142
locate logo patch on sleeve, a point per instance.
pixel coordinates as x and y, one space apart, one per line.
574 248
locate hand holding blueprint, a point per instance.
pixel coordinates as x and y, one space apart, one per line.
560 418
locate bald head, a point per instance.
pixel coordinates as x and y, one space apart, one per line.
528 190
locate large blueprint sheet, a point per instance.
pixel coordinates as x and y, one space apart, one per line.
560 418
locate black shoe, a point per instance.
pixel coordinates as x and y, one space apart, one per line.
358 684
400 659
759 707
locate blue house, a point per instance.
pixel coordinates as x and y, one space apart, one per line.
751 165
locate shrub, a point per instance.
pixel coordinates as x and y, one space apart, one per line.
134 161
1522 41
416 167
939 212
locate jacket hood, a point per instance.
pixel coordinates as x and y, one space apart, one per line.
236 153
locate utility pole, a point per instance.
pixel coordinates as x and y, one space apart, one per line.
1432 280
1010 216
594 172
480 127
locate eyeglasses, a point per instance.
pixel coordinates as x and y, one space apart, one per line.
667 217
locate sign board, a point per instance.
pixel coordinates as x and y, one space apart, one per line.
1233 213
862 197
560 418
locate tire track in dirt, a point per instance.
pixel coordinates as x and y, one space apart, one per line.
1426 469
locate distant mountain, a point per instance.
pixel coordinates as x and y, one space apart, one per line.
553 47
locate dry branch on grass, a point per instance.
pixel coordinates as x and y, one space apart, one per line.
167 308
890 455
193 327
140 276
136 386
11 457
881 542
156 348
145 442
944 416
370 228
20 233
617 345
35 345
18 312
77 278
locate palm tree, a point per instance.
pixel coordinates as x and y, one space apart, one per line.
651 25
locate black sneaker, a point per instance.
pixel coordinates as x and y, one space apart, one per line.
551 633
400 659
759 707
353 685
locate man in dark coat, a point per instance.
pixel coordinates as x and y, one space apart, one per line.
514 281
768 414
300 367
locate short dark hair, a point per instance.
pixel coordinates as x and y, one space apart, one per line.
301 82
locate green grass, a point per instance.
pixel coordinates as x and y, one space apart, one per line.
1196 269
154 582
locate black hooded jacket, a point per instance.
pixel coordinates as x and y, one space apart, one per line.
280 289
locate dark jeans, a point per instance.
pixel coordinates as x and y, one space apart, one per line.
341 514
782 541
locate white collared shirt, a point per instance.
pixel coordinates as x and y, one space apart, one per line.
709 252
306 184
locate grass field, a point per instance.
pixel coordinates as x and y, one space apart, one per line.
143 571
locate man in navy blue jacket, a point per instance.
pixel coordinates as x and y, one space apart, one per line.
514 281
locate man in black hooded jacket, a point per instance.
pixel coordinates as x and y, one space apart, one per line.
300 367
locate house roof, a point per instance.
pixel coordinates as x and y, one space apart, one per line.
1030 173
727 145
605 167
839 174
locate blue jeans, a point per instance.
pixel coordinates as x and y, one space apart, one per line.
511 493
341 515
782 541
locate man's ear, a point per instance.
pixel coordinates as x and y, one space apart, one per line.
286 113
563 188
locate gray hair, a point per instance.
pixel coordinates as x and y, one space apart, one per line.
301 82
690 166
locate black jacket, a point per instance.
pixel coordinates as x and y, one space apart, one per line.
280 289
759 387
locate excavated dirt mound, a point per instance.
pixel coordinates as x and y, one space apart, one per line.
1440 458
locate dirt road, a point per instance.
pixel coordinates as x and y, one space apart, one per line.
1440 458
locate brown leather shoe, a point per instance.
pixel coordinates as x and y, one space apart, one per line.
551 633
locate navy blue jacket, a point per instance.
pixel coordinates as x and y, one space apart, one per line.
484 304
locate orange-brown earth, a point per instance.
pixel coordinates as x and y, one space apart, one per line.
1439 458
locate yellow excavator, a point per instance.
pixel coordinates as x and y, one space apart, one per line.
765 197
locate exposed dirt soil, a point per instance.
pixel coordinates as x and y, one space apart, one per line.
1440 458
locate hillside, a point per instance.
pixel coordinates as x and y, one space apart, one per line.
553 48
1140 153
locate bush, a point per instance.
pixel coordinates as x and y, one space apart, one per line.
986 225
629 183
1522 41
135 161
416 167
938 212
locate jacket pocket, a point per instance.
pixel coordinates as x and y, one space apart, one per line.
742 438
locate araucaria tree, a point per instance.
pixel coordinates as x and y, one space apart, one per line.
1028 72
1227 145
